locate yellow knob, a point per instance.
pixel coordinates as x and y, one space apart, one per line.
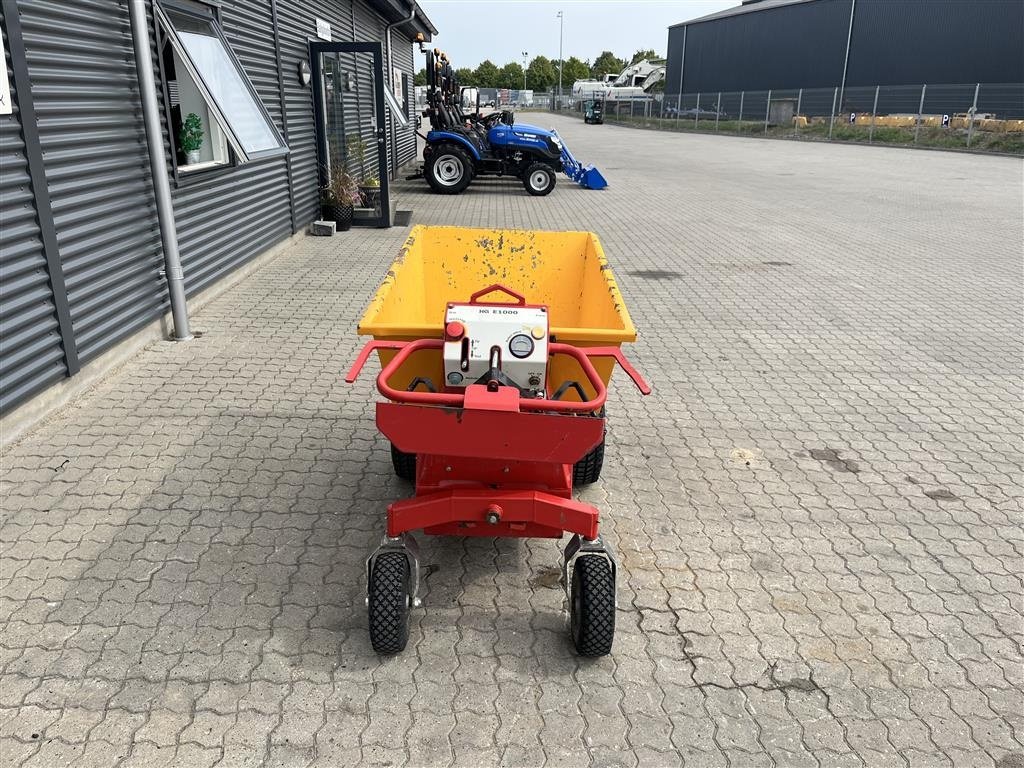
538 332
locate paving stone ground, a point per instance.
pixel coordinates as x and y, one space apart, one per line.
818 511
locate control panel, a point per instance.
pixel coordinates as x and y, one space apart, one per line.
504 341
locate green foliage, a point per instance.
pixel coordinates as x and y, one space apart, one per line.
190 138
510 76
486 75
643 53
341 187
420 78
541 74
465 76
606 64
573 70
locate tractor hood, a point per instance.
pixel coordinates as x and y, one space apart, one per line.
533 129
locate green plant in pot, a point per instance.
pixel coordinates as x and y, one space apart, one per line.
190 138
369 190
339 197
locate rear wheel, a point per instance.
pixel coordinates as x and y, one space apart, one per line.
588 469
388 602
405 464
538 179
592 606
448 170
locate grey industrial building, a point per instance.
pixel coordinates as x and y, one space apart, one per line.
82 251
790 44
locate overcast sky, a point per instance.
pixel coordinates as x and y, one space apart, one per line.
500 30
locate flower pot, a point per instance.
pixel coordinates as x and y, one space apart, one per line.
339 214
370 195
191 158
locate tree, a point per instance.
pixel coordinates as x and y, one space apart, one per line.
541 74
606 64
643 54
420 78
573 70
486 75
465 76
510 76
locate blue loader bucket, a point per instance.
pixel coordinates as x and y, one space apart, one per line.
587 176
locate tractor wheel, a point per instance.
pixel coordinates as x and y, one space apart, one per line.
388 602
405 464
592 606
539 179
588 469
448 170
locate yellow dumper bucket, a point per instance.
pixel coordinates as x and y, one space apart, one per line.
566 271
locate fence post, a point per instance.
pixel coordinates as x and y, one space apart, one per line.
767 111
799 102
832 119
718 109
920 111
874 111
739 123
632 109
696 111
974 109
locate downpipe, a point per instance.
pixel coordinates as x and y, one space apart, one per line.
391 74
158 169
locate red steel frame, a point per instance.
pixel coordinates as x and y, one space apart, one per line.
489 462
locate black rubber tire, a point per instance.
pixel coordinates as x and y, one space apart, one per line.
592 606
405 464
388 605
588 469
448 156
532 174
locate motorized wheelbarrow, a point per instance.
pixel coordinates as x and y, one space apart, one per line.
495 407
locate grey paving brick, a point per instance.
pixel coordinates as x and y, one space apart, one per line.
817 512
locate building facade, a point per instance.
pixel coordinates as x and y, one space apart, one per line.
81 261
790 44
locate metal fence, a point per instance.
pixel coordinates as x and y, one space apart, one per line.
988 116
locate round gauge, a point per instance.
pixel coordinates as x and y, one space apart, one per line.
521 346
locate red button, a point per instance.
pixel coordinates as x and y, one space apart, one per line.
454 331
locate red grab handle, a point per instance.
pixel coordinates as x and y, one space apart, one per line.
497 288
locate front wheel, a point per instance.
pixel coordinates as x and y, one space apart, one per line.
539 179
592 606
388 602
448 170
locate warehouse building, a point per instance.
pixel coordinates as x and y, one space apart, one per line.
83 232
791 44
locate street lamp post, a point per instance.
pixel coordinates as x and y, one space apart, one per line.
561 20
525 57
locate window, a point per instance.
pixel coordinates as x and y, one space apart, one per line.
207 89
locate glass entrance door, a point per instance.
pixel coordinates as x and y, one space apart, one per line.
351 138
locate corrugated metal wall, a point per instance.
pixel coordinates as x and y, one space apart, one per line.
895 42
85 89
794 46
81 66
402 57
941 41
227 219
33 357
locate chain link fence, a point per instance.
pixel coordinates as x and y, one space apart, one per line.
978 116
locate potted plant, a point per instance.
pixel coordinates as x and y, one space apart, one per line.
190 138
369 190
339 197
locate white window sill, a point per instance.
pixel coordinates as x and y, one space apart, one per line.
200 166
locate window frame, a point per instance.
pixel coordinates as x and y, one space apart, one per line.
168 35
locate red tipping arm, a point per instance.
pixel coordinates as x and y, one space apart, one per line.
633 373
364 355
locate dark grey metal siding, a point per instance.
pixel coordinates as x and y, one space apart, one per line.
33 357
895 42
85 88
228 219
941 41
405 139
794 46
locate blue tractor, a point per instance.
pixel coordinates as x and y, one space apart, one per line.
460 146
